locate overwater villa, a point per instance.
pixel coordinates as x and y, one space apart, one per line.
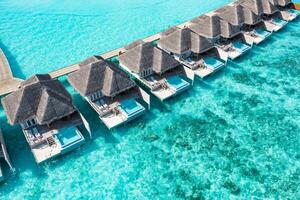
272 14
233 37
49 120
109 90
254 26
156 69
234 14
192 50
264 9
286 9
3 156
227 37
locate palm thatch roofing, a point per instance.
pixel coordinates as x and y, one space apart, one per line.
268 7
90 60
274 2
284 3
101 76
134 44
137 57
207 26
254 6
250 18
228 30
199 44
176 40
232 13
39 97
162 61
145 56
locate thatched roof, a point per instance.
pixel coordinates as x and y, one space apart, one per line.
254 6
274 2
228 30
232 13
176 40
284 2
268 7
199 43
39 97
101 76
162 61
145 56
137 58
90 60
250 17
133 44
206 25
35 79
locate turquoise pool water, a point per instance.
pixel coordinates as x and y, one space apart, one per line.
234 135
213 63
132 108
241 47
262 33
178 83
279 21
68 136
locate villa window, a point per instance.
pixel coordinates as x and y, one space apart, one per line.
96 96
29 123
146 72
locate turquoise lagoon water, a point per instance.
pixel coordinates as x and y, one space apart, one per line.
233 136
39 36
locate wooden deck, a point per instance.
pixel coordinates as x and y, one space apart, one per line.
7 82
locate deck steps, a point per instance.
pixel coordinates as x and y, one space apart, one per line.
51 141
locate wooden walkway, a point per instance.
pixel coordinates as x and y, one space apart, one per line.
7 82
69 69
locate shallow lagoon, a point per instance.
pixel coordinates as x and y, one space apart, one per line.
40 36
234 135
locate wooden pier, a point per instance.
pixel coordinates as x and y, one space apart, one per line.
69 69
7 82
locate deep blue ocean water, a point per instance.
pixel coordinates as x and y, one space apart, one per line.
234 135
